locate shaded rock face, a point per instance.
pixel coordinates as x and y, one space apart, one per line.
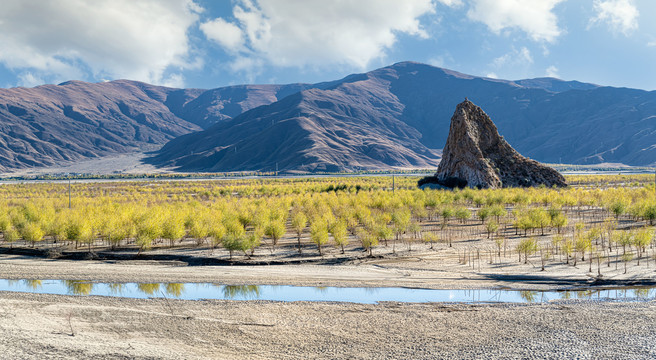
476 155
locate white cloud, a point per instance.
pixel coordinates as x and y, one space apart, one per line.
492 75
513 58
442 60
451 3
651 43
173 80
620 15
250 67
534 17
62 40
292 33
228 35
437 61
552 71
28 79
514 64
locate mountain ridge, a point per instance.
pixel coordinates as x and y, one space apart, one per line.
393 117
76 120
422 97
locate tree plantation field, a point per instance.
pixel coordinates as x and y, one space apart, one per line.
369 231
601 221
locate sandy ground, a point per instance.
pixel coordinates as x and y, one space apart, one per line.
63 327
50 326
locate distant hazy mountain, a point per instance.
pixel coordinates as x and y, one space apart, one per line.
398 116
212 106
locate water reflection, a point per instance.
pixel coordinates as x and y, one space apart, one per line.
371 290
148 288
196 291
529 296
174 289
641 293
154 289
611 294
33 284
116 288
78 287
244 292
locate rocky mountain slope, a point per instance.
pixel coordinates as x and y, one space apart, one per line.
393 117
75 120
348 126
398 116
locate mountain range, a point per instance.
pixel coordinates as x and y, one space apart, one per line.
393 117
75 120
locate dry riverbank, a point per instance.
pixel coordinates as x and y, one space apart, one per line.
49 326
64 327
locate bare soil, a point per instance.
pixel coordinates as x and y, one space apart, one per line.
65 327
49 326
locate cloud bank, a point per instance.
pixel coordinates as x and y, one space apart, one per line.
168 42
62 40
297 33
534 17
620 15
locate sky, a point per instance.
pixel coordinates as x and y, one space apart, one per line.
210 44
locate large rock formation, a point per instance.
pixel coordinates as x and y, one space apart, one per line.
476 155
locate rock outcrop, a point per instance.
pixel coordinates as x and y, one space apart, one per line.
476 155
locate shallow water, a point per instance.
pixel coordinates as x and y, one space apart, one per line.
199 291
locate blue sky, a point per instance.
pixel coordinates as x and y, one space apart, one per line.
208 44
